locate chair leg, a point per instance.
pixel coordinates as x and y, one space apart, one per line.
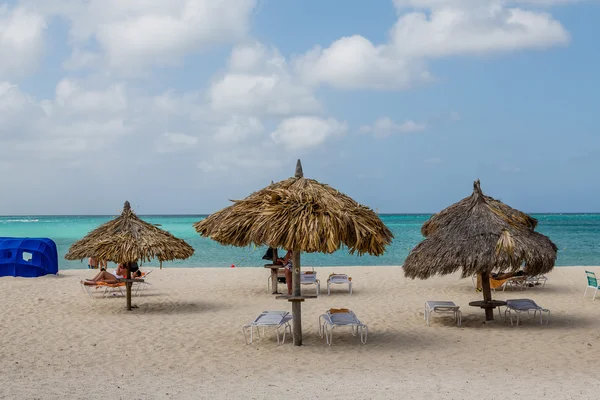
595 293
350 287
244 332
363 334
584 293
277 332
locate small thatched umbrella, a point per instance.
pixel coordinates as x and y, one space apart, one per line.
479 235
127 239
298 214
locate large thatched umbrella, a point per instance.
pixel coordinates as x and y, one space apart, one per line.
127 239
480 235
298 214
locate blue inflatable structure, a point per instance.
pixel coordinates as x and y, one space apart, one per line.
27 257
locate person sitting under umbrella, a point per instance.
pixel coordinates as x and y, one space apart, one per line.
287 269
113 277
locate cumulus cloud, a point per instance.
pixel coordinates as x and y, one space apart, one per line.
71 98
424 4
21 40
258 80
306 132
98 123
385 126
131 35
444 28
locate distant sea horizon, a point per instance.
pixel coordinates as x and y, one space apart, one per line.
577 236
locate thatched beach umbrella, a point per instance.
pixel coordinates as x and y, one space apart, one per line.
298 214
480 235
127 239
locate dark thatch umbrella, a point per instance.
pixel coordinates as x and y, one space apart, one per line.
298 214
480 235
127 239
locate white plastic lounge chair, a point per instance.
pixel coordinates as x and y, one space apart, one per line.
269 319
524 305
140 286
536 280
341 317
443 307
310 278
339 279
592 282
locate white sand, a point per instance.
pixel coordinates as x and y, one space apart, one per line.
184 341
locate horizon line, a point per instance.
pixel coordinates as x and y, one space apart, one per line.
204 215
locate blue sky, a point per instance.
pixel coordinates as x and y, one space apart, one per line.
180 105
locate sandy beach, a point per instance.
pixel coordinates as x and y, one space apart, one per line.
184 340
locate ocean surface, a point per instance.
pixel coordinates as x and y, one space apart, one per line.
576 235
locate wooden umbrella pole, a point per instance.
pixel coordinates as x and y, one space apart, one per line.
297 304
487 295
128 286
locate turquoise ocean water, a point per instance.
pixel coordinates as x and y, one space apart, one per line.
576 235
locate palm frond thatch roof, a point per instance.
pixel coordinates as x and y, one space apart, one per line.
509 215
477 235
298 214
126 239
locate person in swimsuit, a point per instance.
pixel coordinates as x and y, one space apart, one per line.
112 277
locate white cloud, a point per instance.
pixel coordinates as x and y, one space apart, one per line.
355 63
72 99
424 4
135 34
385 126
478 30
447 28
12 100
21 40
306 132
258 80
238 128
81 59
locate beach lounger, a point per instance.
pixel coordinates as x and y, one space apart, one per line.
339 279
108 288
536 280
592 282
310 278
443 307
514 282
335 317
116 288
519 306
269 319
